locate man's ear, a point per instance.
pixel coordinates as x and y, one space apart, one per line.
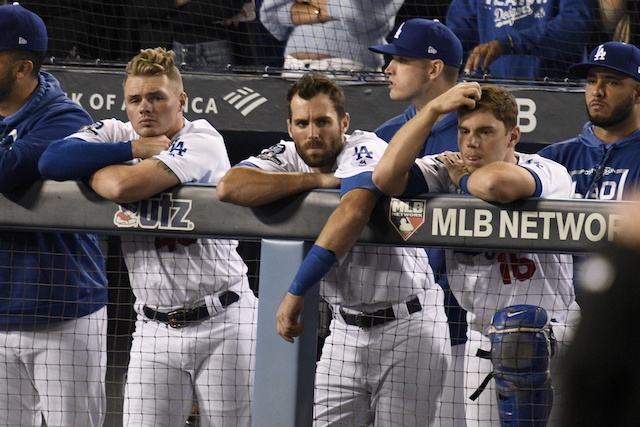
289 128
514 136
346 121
436 68
24 68
183 100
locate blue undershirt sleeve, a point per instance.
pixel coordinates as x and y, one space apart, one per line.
362 180
416 183
75 158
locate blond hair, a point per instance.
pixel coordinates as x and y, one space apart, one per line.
154 62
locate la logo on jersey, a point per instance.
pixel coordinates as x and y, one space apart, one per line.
407 215
361 154
601 54
161 213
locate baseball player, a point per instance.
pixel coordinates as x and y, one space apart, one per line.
196 316
53 316
602 159
425 60
385 360
497 289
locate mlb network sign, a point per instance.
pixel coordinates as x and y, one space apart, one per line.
495 224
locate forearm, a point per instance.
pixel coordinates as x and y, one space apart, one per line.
501 182
346 223
248 186
130 183
337 237
75 158
312 12
391 173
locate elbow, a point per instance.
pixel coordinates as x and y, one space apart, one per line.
498 188
118 194
230 190
115 190
384 183
225 192
228 193
48 168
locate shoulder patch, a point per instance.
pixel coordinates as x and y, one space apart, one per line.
92 129
270 154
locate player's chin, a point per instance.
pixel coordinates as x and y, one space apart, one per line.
148 131
396 95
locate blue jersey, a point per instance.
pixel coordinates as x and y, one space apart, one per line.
443 136
44 277
605 171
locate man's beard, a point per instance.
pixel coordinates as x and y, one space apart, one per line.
327 159
619 114
7 84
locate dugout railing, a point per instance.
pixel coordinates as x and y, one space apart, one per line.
286 230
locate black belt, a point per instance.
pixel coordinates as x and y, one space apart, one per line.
380 317
184 316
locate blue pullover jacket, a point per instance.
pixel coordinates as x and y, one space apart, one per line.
599 170
44 276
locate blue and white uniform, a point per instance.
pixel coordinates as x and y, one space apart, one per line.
442 137
394 371
484 282
215 357
54 288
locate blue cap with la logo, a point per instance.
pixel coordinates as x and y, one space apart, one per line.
618 56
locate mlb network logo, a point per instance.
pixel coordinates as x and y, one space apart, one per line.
245 100
407 215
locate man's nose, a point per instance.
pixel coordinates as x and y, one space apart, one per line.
145 106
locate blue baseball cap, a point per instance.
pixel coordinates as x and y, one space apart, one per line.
21 29
618 56
424 38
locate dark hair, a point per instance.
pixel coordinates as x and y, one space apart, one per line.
37 58
311 85
500 102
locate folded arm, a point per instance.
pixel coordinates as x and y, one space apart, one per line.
500 182
130 183
251 186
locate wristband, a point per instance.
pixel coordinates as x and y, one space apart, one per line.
462 184
315 265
